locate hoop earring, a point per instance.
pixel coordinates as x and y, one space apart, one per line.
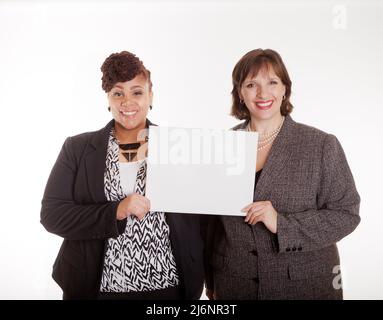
241 101
284 97
109 109
150 107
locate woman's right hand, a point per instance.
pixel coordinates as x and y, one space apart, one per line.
134 204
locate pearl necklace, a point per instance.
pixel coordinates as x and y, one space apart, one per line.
269 136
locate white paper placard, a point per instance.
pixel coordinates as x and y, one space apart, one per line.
202 171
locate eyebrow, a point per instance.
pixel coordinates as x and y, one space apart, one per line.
135 87
253 80
132 88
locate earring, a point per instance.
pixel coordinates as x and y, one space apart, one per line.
241 101
284 97
150 107
109 109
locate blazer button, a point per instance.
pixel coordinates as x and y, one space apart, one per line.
254 252
299 248
294 249
256 279
288 249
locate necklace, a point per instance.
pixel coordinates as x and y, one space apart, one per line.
269 137
269 134
130 150
129 146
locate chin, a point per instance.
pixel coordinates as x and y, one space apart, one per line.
131 124
262 116
265 115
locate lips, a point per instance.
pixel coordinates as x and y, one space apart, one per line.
264 104
128 113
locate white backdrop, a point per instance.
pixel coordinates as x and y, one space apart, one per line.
50 88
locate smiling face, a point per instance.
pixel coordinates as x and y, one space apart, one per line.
129 102
263 94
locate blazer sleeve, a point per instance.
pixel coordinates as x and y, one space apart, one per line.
61 215
337 202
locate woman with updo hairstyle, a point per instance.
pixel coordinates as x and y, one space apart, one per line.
304 202
114 247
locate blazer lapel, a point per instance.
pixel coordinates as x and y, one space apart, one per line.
95 162
278 157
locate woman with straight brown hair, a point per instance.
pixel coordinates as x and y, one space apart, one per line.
305 199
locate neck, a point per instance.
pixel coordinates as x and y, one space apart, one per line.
263 127
125 136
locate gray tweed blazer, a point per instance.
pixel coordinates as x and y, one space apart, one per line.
308 181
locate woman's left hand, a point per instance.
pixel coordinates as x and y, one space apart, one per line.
262 211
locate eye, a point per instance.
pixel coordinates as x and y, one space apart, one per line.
250 85
117 94
138 93
273 82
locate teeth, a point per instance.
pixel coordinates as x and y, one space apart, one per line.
129 113
264 104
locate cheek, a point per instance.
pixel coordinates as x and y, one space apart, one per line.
144 103
278 93
248 94
112 102
115 112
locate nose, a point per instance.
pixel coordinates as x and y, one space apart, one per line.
262 92
125 102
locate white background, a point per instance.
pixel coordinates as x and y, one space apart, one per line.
50 88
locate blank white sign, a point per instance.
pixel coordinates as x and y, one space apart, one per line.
202 171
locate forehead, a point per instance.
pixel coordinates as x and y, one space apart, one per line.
138 81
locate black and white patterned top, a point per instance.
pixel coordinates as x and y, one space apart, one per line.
141 258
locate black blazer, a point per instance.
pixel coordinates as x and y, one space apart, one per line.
74 207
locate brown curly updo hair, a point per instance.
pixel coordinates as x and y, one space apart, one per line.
251 63
121 67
